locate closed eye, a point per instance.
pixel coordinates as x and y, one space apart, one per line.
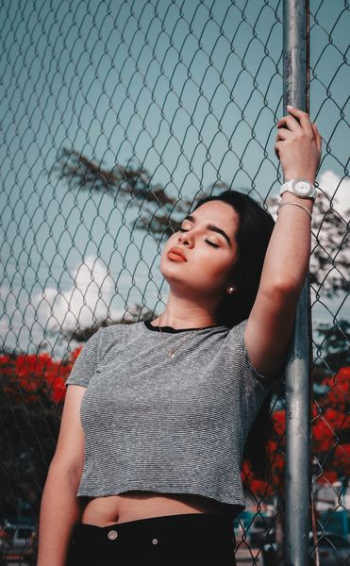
208 241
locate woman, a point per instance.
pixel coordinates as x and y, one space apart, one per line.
167 405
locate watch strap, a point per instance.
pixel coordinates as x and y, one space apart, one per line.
288 186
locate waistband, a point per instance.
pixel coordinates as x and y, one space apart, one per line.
189 526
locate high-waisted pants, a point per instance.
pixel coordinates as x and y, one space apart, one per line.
188 539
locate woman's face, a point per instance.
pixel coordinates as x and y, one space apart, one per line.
207 241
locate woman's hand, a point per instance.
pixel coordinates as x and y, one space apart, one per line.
298 145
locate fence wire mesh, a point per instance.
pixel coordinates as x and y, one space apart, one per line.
117 116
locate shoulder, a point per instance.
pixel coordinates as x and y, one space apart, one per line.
94 350
120 329
240 339
112 334
266 346
119 334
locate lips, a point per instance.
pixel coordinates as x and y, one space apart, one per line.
177 253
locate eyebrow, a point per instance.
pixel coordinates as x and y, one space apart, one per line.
210 227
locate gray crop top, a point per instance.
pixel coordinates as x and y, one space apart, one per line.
168 425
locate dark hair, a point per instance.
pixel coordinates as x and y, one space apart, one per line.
255 226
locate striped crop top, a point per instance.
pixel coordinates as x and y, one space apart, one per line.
168 425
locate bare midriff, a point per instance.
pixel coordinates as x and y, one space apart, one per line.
131 506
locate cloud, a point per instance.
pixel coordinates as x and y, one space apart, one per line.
87 302
328 182
28 319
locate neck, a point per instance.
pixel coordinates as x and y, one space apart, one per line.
182 313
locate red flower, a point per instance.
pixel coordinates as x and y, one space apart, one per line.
27 375
279 422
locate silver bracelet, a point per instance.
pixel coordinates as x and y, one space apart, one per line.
295 204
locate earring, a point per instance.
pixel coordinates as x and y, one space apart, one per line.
230 290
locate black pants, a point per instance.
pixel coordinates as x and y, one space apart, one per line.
188 539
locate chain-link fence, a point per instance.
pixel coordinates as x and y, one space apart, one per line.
116 117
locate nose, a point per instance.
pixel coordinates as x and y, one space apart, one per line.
185 239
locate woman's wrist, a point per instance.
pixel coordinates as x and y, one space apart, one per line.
291 197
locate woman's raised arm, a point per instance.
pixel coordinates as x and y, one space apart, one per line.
298 146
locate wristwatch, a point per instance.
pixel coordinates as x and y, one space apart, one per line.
300 187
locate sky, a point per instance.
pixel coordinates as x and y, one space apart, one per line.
190 91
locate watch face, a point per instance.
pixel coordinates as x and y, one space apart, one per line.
302 187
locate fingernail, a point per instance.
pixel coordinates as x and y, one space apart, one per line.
289 106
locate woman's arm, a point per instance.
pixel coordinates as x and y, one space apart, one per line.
286 264
287 259
60 510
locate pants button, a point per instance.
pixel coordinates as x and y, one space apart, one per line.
112 535
154 541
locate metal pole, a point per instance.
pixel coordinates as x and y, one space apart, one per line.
298 480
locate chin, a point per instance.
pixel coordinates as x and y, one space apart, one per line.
173 278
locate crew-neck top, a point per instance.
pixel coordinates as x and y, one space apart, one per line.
167 425
174 330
